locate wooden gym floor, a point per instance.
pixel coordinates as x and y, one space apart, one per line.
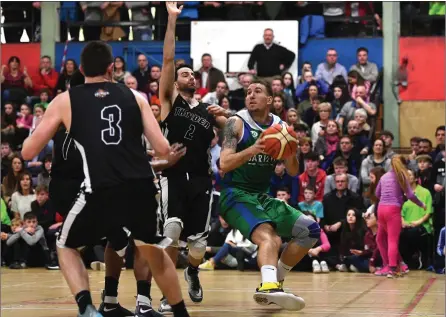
41 293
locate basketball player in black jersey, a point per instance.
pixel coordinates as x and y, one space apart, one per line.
186 187
106 121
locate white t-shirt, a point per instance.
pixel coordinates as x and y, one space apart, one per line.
21 204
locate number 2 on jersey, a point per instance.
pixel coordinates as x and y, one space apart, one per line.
190 132
113 134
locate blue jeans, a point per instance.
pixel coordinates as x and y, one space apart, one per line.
224 251
361 263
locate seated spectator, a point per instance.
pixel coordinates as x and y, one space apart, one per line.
284 195
24 123
63 82
366 260
44 98
377 158
220 91
340 97
119 70
311 205
318 129
306 67
328 141
313 176
5 229
11 180
388 138
311 115
417 223
277 87
289 88
132 83
345 151
352 243
39 111
46 77
210 76
225 103
9 125
305 147
293 117
348 110
156 110
363 127
302 90
155 73
237 97
280 179
14 81
340 167
278 106
425 170
44 177
361 142
27 239
328 70
367 70
6 158
21 199
307 103
354 81
153 94
440 254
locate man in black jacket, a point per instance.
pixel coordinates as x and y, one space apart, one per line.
210 76
271 59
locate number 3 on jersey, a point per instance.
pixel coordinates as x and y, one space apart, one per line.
113 134
190 132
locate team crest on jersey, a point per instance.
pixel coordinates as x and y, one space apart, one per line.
101 93
254 134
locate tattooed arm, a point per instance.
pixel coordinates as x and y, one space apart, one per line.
229 158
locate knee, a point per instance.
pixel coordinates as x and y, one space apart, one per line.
265 234
172 230
306 232
197 248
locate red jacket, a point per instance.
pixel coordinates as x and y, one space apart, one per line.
48 81
304 181
370 247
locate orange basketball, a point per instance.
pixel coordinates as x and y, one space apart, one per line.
280 141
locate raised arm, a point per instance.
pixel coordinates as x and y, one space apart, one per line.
167 91
229 158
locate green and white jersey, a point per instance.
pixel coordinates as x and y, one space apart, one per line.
254 176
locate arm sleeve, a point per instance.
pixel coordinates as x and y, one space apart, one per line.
252 58
365 173
288 58
32 239
378 190
300 90
410 195
325 243
13 238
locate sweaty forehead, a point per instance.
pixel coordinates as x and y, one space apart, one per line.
184 70
256 85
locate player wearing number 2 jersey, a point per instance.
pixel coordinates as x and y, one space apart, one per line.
186 187
245 205
106 121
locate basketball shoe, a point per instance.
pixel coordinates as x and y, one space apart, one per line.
113 309
195 290
272 293
90 312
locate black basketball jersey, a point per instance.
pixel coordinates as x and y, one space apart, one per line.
106 126
67 160
193 127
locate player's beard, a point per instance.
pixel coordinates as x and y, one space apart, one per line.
188 90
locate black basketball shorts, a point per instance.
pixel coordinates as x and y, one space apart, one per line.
188 198
105 212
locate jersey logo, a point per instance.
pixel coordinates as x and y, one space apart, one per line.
254 134
101 93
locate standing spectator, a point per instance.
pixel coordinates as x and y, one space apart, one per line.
377 158
220 91
375 176
313 176
141 13
440 254
46 77
439 137
271 59
63 82
277 87
340 167
14 81
388 138
93 12
210 76
390 190
142 74
438 179
331 68
23 197
424 173
367 70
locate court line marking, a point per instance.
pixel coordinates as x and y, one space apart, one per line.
418 296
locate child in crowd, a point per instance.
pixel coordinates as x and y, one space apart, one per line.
311 205
44 98
283 194
352 240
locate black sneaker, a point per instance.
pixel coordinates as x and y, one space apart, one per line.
113 310
15 266
195 290
146 310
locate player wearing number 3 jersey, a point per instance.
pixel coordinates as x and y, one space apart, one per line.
245 205
106 122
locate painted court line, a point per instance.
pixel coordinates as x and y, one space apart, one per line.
418 297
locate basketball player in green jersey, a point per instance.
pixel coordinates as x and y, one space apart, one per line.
245 205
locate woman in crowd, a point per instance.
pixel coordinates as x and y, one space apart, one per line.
10 181
119 70
293 117
354 80
278 107
23 197
9 124
377 158
288 84
15 81
318 128
328 142
390 191
63 83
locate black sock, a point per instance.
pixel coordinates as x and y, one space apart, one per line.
83 299
143 288
179 310
192 269
111 286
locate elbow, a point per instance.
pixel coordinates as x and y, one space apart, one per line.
27 153
224 166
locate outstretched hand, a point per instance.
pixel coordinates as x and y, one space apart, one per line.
172 8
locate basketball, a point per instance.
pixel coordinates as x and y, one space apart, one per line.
280 141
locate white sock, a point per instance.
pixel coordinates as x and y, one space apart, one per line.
282 270
143 299
269 274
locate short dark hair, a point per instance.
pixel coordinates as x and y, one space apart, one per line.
387 133
426 141
440 128
306 62
269 90
206 55
96 57
299 127
340 161
182 66
416 139
311 156
29 216
283 189
311 188
362 49
41 188
46 56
